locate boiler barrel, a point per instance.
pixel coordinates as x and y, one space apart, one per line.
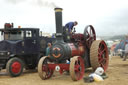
76 50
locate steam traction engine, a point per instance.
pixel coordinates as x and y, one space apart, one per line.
82 51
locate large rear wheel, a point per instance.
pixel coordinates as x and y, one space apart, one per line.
77 68
14 67
99 55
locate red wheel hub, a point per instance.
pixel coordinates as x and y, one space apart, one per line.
79 68
16 67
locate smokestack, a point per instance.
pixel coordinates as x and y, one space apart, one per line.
58 19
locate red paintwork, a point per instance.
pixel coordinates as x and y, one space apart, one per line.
77 50
63 67
79 37
16 67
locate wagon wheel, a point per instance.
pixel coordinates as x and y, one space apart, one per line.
14 67
89 35
99 55
43 70
77 68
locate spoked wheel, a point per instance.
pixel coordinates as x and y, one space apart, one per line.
89 35
77 68
14 67
43 70
99 55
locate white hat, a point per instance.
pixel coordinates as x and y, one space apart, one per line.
99 71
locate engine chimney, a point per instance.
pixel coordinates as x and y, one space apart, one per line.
58 19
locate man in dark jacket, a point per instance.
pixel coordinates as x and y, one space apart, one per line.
69 26
67 30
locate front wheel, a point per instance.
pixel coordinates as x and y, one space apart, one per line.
76 68
43 69
14 67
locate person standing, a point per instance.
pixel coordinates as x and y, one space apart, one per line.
126 51
48 49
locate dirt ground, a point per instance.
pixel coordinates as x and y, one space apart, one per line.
117 75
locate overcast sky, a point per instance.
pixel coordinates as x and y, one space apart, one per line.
109 17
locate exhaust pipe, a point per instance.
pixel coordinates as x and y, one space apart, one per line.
58 20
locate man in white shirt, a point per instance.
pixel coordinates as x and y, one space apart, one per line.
126 51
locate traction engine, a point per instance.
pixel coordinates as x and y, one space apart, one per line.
81 52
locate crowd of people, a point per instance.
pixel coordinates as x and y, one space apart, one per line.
120 49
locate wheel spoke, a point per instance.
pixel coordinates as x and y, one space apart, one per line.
100 51
47 74
87 32
102 61
102 65
90 32
78 75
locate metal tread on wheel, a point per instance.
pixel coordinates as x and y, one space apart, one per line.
99 55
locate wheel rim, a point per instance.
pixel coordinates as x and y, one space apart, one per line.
16 67
77 68
103 55
89 34
43 70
